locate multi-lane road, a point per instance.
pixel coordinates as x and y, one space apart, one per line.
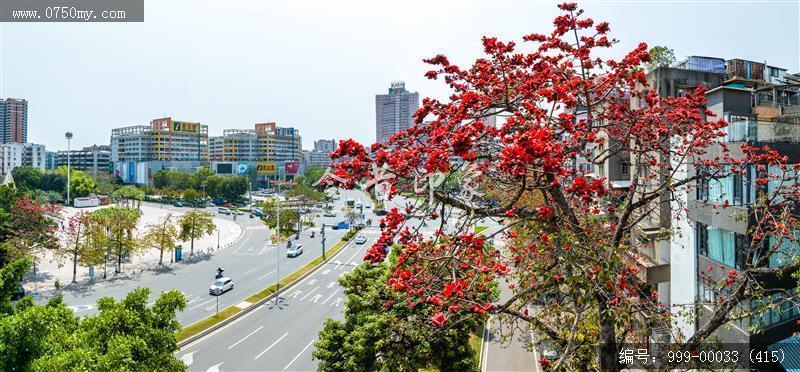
281 336
250 262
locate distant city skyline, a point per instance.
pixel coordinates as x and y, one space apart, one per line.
316 68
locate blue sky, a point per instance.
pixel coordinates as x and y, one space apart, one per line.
316 65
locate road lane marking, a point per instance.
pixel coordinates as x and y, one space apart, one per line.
298 355
337 302
201 304
266 275
188 359
270 346
249 271
330 285
316 298
325 272
296 293
312 291
329 297
245 337
312 282
214 368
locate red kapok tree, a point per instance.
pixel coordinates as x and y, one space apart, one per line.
566 241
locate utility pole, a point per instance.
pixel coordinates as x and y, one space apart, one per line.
68 136
278 244
322 232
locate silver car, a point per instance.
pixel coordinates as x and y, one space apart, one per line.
221 286
361 239
294 250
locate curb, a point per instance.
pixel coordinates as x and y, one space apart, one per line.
191 339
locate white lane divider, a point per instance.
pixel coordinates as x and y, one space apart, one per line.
270 346
245 337
325 272
266 275
299 354
312 291
329 297
214 368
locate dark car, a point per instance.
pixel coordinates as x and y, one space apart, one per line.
177 204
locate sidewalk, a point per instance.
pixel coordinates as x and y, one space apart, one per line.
48 269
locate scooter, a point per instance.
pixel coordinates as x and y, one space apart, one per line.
312 234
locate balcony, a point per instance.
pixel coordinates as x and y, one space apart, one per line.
746 129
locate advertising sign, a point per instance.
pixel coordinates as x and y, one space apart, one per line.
291 167
186 127
131 172
242 168
266 168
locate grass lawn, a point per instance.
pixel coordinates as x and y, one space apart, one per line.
479 229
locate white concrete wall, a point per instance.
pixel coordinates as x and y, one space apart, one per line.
683 264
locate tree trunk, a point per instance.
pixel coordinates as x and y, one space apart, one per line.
607 349
161 257
74 266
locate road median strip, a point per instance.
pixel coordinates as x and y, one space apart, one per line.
203 327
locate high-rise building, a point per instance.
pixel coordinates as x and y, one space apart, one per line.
13 120
138 151
394 112
93 159
22 154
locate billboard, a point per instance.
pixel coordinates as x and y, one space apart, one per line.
242 168
266 168
131 172
224 168
291 167
185 127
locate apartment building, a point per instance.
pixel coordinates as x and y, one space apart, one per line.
13 120
394 112
138 151
759 113
14 155
93 159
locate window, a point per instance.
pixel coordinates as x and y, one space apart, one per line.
721 245
624 168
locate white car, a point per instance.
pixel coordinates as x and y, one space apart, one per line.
221 286
361 239
223 210
237 212
294 250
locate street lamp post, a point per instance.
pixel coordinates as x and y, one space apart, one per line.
68 136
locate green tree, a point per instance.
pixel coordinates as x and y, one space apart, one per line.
162 179
126 335
80 183
27 178
660 56
381 332
162 236
192 195
195 225
120 224
53 181
76 245
236 188
130 195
